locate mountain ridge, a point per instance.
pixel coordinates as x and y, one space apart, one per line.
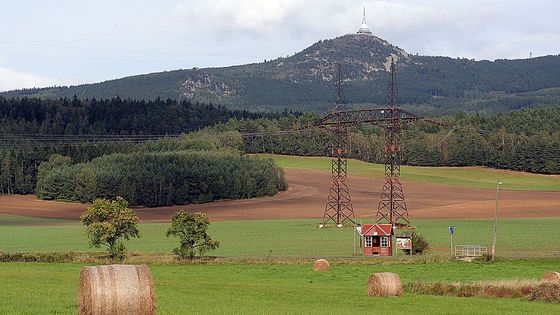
304 80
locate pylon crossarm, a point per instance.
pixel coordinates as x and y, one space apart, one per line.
375 116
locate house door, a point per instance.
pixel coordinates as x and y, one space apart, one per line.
375 241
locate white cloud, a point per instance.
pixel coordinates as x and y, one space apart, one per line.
458 28
10 80
262 18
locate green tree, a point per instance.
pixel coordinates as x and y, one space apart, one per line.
192 231
108 222
86 185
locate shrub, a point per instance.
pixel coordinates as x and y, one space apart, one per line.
37 257
485 258
419 244
547 292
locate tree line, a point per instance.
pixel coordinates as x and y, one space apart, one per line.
72 116
160 178
525 140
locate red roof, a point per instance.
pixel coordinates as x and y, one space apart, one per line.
376 229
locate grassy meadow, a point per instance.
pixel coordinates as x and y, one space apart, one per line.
38 288
470 177
302 237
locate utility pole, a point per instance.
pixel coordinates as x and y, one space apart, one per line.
354 232
496 219
451 232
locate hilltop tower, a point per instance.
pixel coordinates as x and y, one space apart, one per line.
364 29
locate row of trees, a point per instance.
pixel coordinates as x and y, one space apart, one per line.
160 178
111 222
526 140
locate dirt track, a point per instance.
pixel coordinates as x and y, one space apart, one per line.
307 195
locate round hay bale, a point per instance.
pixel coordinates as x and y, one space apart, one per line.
384 284
321 265
551 276
116 289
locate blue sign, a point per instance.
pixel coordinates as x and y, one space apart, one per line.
451 230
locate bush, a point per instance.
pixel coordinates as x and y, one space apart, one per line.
37 257
485 258
419 244
547 292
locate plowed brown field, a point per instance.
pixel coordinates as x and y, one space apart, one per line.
307 195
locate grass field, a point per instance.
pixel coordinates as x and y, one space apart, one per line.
471 177
285 237
37 288
287 286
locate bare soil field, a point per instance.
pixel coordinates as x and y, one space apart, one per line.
307 195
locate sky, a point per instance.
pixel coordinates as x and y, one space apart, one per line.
67 42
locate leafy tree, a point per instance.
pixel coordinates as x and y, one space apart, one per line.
108 222
191 229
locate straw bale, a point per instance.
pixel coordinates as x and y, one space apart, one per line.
321 265
551 277
384 284
116 289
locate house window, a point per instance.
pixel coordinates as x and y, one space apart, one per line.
368 241
384 242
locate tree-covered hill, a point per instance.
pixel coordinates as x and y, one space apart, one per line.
304 81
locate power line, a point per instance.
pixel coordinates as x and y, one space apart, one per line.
133 51
42 140
98 58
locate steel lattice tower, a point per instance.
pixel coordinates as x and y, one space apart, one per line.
392 206
339 204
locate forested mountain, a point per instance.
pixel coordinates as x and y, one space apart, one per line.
436 85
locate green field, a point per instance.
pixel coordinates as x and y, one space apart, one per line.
459 176
258 238
247 284
37 288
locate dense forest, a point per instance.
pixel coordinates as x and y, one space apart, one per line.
525 140
160 178
20 158
71 116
